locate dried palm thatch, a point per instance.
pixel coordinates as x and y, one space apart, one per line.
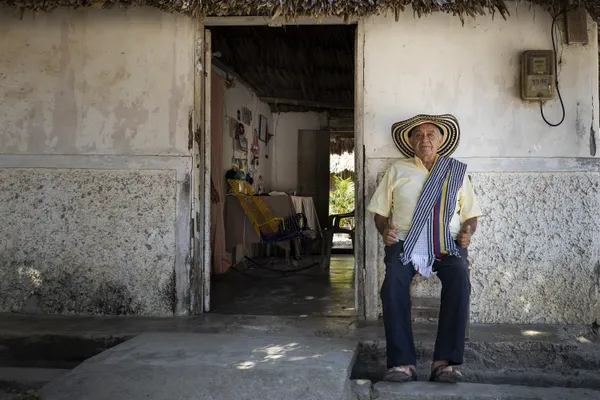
312 64
291 9
338 163
340 145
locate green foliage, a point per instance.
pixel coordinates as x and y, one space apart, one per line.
341 198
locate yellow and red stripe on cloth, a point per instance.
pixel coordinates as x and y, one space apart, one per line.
439 245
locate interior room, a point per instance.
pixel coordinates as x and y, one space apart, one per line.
282 170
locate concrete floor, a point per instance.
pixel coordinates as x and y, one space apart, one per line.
496 353
310 292
200 366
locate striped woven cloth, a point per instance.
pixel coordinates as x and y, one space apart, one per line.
429 235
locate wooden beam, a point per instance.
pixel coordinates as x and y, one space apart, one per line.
365 284
277 22
221 66
305 103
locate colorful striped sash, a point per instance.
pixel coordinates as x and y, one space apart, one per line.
429 235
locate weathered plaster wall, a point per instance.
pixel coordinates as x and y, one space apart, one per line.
535 254
95 82
94 164
87 241
285 154
475 76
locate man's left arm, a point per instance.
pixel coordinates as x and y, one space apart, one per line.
469 213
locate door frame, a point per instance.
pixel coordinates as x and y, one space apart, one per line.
200 144
365 278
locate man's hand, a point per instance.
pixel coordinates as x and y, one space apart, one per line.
464 236
389 235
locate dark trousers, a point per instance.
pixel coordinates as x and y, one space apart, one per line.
395 296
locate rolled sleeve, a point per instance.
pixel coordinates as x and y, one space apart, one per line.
469 206
381 202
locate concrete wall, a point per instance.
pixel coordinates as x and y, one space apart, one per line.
94 161
235 99
536 255
287 125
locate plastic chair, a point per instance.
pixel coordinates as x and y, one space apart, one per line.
333 228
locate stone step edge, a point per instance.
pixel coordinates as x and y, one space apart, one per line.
469 391
30 375
582 379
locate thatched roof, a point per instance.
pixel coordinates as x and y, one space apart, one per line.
339 163
312 8
292 68
341 144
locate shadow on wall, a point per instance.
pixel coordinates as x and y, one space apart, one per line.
31 290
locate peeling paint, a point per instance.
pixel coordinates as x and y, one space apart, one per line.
476 86
72 86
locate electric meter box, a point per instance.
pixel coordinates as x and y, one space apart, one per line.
538 76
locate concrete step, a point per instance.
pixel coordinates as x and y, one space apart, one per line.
186 366
538 364
569 378
475 391
30 376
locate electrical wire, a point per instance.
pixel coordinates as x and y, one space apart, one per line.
562 104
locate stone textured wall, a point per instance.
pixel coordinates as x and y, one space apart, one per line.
536 254
87 241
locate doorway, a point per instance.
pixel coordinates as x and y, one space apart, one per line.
278 96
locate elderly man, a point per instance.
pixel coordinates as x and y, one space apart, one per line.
425 211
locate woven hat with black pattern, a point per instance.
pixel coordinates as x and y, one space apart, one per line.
447 123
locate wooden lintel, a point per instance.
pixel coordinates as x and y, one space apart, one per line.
305 103
262 21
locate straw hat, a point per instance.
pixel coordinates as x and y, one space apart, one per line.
447 123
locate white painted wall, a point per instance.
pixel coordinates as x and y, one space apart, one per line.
233 100
435 65
287 125
95 82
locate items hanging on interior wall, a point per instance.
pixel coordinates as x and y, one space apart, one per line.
241 142
232 127
246 116
261 185
240 164
255 148
262 128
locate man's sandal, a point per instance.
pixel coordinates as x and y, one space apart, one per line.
393 375
445 376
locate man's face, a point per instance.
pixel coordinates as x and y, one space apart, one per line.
425 140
